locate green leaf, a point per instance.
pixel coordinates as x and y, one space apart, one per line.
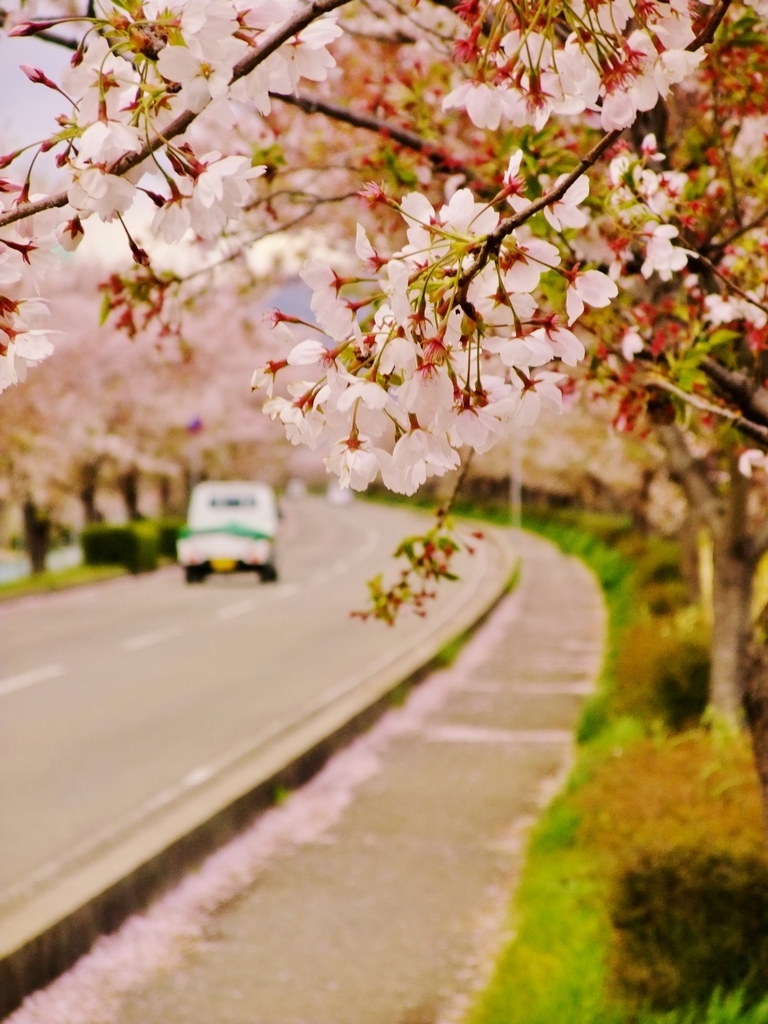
106 309
723 336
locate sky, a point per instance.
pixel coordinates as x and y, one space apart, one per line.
26 110
27 114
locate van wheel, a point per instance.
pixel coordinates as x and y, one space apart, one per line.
194 574
268 574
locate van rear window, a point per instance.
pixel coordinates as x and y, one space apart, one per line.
233 501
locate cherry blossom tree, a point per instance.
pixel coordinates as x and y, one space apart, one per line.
540 179
115 415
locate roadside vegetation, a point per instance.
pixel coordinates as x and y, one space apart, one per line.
61 579
644 898
109 551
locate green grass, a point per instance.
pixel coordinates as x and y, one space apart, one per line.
730 1009
553 970
63 579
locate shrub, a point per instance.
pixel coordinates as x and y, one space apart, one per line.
656 559
605 527
665 598
688 921
167 533
133 545
661 674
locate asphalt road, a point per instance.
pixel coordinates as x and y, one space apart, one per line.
117 699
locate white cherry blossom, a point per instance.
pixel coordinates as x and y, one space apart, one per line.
592 288
660 255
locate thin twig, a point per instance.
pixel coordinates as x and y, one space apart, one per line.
405 137
278 229
506 227
743 230
754 430
445 509
314 10
723 277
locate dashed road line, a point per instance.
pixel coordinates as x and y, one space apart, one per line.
25 679
231 611
137 643
250 604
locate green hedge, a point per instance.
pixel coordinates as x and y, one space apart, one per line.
688 922
167 534
133 545
661 673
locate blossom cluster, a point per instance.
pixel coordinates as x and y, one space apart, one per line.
26 260
616 59
137 71
451 340
447 343
649 205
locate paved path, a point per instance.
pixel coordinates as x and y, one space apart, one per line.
375 894
117 700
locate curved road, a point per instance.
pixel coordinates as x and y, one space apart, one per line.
117 699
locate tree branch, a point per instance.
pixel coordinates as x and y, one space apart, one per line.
689 473
756 431
729 284
314 105
493 241
52 37
506 227
707 34
752 400
718 247
314 203
314 10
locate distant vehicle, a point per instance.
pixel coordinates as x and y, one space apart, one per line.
231 527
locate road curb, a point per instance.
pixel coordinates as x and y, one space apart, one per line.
44 937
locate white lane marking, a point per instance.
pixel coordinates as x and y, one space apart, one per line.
477 734
137 643
35 675
206 772
197 776
250 604
231 611
112 833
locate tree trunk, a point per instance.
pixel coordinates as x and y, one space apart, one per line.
734 569
128 484
732 625
165 496
37 535
89 481
756 710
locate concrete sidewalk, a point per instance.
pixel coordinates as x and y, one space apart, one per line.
376 894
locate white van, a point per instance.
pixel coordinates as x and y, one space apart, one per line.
231 527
